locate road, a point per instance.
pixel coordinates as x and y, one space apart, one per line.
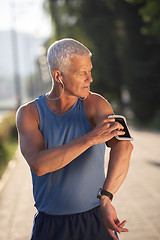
138 200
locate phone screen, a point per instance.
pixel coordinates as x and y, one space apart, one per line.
122 122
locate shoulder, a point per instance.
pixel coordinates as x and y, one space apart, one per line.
97 108
28 108
27 114
95 97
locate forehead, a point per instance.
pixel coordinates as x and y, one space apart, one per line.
80 63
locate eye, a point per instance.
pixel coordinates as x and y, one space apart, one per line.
82 73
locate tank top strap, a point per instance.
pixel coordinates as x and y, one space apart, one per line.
40 104
43 107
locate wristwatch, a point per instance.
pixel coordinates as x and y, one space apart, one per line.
102 192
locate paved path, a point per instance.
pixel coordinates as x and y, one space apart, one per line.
138 200
16 201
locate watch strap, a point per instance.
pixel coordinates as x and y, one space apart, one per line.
104 192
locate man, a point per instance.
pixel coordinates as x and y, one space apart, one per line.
62 137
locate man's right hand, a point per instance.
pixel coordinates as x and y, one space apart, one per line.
106 130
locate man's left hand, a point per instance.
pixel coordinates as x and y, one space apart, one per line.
110 218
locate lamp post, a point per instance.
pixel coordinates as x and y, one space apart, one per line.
14 41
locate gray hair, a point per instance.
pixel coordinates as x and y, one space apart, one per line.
59 52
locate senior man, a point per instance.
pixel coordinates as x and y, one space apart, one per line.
62 137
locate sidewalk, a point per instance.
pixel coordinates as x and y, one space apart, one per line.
137 201
16 201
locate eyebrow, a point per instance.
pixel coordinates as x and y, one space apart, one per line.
85 70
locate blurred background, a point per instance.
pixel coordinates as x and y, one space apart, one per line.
124 37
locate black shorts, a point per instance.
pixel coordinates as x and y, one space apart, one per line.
82 226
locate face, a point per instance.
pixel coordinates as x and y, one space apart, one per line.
77 77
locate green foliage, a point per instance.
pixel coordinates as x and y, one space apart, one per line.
124 38
8 140
144 48
150 13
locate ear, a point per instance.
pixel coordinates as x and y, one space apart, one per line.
56 74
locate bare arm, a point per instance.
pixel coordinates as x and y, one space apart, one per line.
120 154
42 160
120 150
117 169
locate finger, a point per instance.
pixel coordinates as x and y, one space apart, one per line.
120 132
112 125
117 226
123 230
116 133
114 227
112 234
120 126
107 123
119 230
116 126
108 120
117 222
121 224
112 120
112 128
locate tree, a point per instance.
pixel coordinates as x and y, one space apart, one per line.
145 51
124 38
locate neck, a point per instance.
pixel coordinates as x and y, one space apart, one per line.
62 104
56 92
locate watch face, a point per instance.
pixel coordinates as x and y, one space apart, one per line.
99 193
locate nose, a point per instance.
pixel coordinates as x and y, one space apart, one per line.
89 77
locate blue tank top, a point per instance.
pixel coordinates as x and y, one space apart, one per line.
73 188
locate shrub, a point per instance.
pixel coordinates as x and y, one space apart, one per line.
8 140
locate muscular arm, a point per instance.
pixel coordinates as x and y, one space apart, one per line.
42 160
117 169
120 150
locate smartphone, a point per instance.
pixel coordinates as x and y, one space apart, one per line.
122 120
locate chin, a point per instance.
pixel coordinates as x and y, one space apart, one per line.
84 94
